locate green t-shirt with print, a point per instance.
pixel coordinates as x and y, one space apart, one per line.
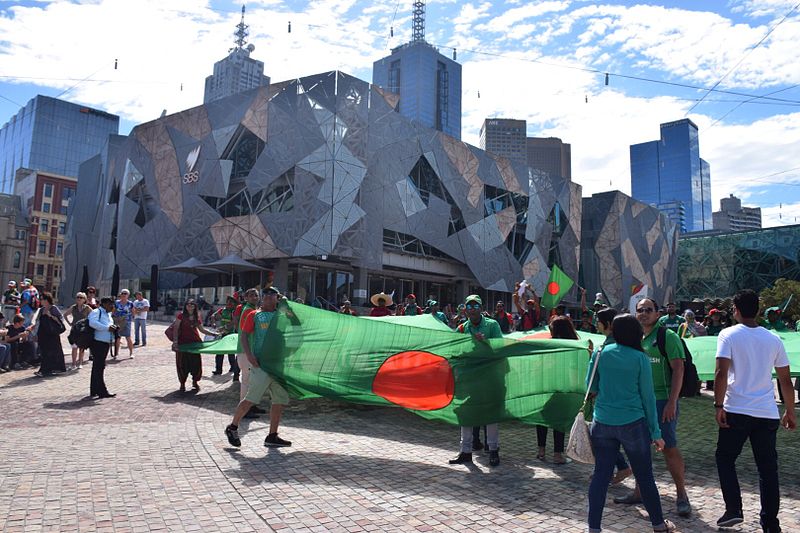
671 322
662 372
488 326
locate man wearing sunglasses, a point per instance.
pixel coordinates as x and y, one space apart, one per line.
667 381
482 328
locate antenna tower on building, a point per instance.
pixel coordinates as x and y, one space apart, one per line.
418 22
241 33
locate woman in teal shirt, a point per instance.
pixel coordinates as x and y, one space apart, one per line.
624 414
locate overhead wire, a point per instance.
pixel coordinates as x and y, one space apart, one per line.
732 69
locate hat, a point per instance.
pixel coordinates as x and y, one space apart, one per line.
411 296
270 290
126 291
474 298
346 302
381 296
688 313
774 309
12 283
431 303
26 281
716 311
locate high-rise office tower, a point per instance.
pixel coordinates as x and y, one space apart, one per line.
238 72
670 175
429 84
52 135
550 155
732 216
504 137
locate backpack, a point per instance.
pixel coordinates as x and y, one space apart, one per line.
691 382
81 334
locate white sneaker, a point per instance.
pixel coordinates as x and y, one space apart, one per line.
131 356
80 366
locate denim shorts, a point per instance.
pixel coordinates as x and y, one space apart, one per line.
669 430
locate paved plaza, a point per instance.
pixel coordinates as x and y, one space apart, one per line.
154 459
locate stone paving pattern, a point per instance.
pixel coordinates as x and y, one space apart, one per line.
154 459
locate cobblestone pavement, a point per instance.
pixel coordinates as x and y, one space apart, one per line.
154 459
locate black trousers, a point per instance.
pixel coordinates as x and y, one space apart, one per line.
220 358
762 434
99 351
558 439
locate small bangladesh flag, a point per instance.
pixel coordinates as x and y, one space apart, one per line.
557 286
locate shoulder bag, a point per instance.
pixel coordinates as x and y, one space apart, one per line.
579 446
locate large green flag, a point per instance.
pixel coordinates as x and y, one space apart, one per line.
704 353
557 286
437 374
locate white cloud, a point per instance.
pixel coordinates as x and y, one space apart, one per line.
505 21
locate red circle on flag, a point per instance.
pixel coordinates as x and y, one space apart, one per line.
415 380
553 287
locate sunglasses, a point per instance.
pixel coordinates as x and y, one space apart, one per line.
472 306
645 310
80 298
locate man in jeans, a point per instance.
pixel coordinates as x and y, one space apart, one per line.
744 401
667 381
140 308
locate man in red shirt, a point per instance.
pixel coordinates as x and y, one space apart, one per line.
243 310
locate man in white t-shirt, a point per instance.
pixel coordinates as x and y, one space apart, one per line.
140 308
744 399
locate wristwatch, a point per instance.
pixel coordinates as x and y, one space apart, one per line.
719 406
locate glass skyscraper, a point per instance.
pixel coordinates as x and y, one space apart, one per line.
52 135
670 175
429 85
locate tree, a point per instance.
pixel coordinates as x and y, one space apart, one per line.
779 293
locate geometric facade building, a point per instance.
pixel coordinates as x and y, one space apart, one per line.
669 174
626 243
716 265
51 135
320 180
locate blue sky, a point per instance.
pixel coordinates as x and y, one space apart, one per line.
526 60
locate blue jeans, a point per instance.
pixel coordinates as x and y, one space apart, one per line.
5 355
635 440
140 324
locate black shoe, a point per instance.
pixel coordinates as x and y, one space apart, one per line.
236 377
684 507
108 395
232 432
477 445
461 459
256 409
730 518
628 499
217 372
494 458
274 441
136 344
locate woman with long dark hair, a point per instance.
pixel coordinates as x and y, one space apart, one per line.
624 414
186 327
561 327
50 323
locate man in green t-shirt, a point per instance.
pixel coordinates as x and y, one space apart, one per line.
667 381
253 330
482 328
672 319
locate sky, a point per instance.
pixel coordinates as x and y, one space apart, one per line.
542 61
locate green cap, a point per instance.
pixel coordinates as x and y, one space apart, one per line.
474 298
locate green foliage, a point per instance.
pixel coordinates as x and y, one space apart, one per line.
778 293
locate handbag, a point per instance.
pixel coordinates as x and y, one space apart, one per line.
579 446
170 332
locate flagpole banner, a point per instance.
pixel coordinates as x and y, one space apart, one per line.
436 374
557 286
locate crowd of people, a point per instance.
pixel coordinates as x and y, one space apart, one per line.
635 376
